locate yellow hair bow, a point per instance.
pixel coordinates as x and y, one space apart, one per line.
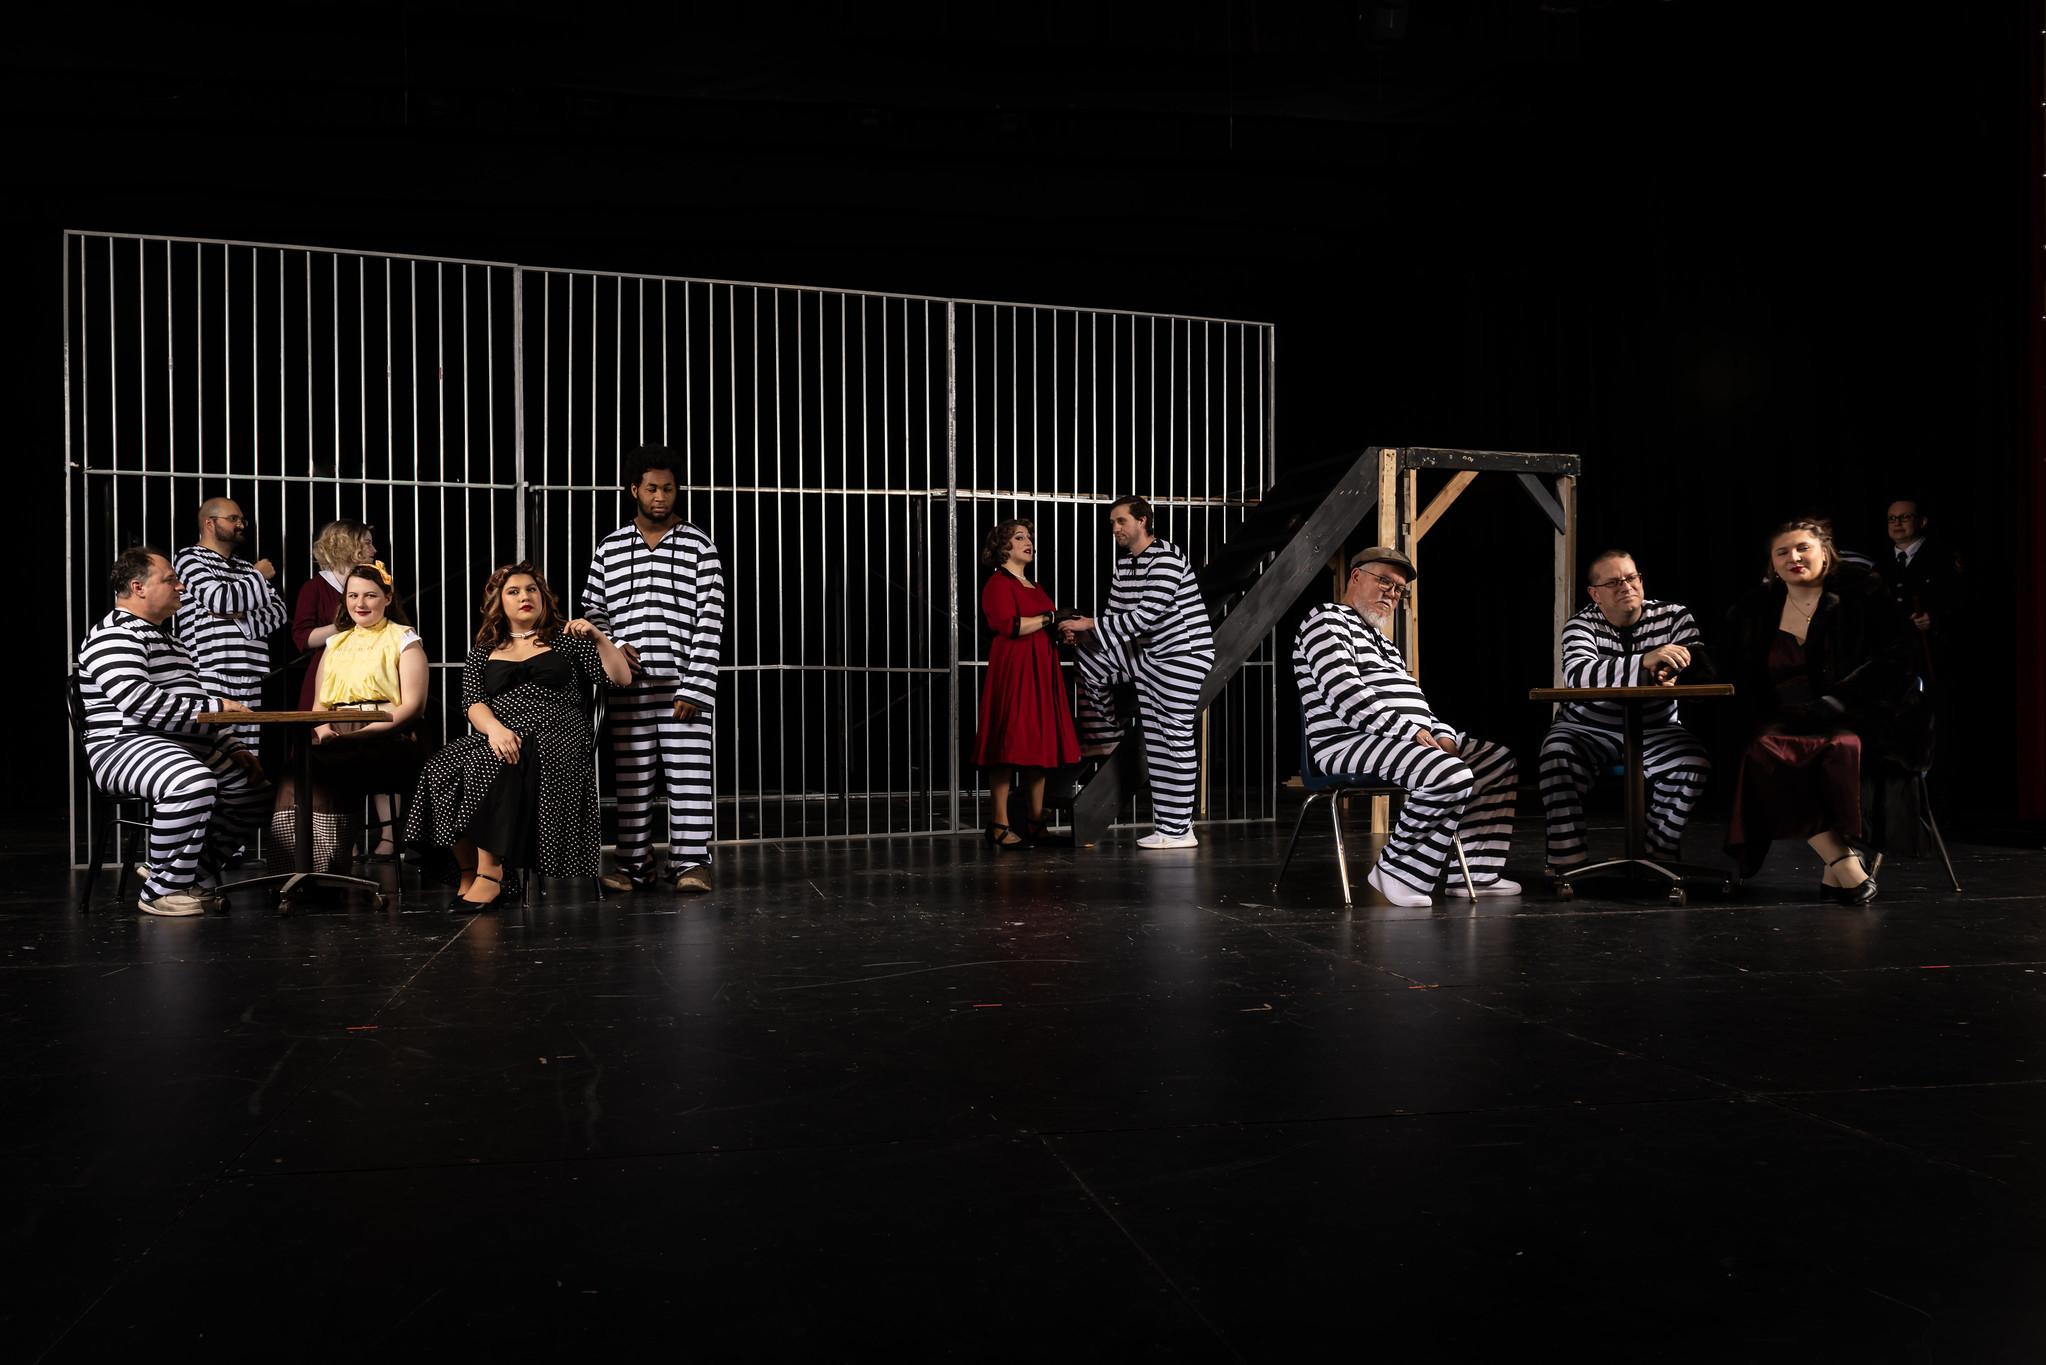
382 572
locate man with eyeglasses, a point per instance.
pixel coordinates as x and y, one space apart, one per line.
1622 638
230 611
1924 576
1364 713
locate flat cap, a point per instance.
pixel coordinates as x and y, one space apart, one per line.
1385 554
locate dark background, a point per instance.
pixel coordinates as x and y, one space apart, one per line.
1749 261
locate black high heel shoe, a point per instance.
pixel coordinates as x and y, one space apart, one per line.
1849 895
995 833
465 903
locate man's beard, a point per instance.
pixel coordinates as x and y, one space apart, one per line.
1379 617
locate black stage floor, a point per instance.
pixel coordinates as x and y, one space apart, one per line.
919 1100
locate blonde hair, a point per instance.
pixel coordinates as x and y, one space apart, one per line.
342 545
1819 528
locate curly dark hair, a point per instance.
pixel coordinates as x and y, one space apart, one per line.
994 551
647 458
130 565
370 574
1821 529
495 630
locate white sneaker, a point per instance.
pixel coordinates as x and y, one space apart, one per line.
1498 886
174 903
1163 840
1395 891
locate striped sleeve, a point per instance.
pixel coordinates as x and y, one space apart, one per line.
115 672
699 682
1153 597
1586 665
217 585
1324 649
596 610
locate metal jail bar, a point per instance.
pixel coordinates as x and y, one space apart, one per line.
846 450
308 385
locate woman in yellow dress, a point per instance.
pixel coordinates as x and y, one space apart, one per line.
374 661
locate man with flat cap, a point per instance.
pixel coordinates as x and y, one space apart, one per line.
1364 713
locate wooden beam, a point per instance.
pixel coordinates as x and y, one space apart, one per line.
1544 499
1509 461
1425 523
1566 564
1388 534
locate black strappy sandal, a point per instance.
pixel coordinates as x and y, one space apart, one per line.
1849 895
483 905
995 833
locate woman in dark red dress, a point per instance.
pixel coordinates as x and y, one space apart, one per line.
1025 726
1823 653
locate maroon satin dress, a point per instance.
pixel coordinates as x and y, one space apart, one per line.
1794 781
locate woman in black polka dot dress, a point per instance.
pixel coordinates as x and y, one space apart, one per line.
520 791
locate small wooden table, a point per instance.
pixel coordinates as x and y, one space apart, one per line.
302 855
1631 701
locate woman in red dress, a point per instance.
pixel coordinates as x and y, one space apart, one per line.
1025 726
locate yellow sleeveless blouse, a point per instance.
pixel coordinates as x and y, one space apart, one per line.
362 665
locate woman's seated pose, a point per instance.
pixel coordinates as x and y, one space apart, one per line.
372 661
520 791
1821 657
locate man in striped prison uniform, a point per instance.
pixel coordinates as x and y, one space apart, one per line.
1364 713
657 587
1622 639
231 609
141 691
1154 633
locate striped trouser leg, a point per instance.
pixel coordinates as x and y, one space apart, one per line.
686 763
249 692
1572 757
636 715
1674 766
200 798
1437 785
1169 695
1099 669
1487 824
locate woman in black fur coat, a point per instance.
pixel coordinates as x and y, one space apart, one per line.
1820 660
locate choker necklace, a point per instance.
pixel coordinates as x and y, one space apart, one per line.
524 634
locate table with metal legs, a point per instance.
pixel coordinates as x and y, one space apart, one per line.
302 872
1666 873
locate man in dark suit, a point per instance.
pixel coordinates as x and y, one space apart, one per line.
1925 578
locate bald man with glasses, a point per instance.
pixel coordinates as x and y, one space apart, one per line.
230 611
1363 712
1623 638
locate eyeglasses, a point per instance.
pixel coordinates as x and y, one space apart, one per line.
1905 516
1398 589
231 521
1632 580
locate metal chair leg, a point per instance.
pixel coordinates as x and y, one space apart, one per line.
98 856
1470 887
126 863
1925 817
1335 812
1294 842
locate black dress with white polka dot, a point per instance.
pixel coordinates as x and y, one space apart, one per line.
543 703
